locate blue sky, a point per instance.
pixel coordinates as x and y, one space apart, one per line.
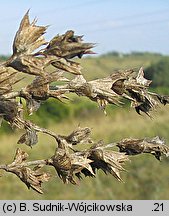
115 25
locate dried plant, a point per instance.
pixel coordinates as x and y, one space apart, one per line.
70 164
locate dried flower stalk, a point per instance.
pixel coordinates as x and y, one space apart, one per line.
68 162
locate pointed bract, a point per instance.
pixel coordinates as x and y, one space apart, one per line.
68 46
29 37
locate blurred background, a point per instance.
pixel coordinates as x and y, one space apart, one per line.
129 34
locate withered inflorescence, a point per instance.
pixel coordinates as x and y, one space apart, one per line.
70 164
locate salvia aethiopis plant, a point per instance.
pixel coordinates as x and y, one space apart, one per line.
32 55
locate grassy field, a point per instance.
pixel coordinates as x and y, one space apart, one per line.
146 178
101 66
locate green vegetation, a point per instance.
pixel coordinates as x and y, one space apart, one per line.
145 178
3 58
159 73
101 66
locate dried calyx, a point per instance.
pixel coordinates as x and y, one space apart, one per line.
72 164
